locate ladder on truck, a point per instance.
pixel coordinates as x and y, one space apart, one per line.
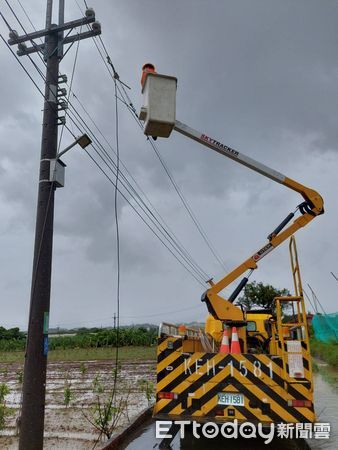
293 337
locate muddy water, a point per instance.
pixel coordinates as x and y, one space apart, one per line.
326 401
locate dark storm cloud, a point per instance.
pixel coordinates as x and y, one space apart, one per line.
259 75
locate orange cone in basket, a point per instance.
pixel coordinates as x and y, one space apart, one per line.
225 348
235 347
146 68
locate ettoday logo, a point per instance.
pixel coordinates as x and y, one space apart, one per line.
210 430
247 430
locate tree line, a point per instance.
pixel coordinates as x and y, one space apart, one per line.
11 340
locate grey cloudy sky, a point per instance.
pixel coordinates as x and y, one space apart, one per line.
259 75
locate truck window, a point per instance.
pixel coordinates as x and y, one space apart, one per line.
251 326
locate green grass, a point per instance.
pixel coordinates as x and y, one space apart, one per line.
327 352
86 354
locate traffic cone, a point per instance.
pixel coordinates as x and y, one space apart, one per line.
146 68
235 347
182 330
225 348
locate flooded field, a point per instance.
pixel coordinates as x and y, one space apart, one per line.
68 428
73 389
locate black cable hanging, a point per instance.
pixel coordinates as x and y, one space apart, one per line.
42 76
132 206
185 203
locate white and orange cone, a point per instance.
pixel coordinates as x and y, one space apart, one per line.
225 348
146 68
235 346
182 330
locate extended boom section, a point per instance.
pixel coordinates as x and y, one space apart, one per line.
311 207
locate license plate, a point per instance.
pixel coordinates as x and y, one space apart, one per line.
228 398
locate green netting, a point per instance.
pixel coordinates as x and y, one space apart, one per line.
326 327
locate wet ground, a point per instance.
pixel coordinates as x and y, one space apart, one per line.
145 440
67 424
326 401
67 428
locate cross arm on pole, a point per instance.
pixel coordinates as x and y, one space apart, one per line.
14 40
67 40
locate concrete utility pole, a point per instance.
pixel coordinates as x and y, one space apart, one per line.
34 380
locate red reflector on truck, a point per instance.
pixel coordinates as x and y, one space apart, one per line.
300 403
167 395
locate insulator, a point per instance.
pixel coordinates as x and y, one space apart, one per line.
62 120
90 12
96 26
63 105
22 47
63 79
62 92
13 34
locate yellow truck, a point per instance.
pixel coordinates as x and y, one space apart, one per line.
246 365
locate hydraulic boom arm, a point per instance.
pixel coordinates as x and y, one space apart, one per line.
311 207
159 115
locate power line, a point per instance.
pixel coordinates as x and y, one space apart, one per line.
112 397
23 67
130 190
27 16
205 276
142 218
164 165
181 250
163 313
315 298
132 109
310 301
42 76
142 209
118 260
107 163
175 185
16 17
141 316
334 276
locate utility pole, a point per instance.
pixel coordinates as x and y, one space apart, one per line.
35 369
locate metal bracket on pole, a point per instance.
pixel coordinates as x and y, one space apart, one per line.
58 28
68 40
